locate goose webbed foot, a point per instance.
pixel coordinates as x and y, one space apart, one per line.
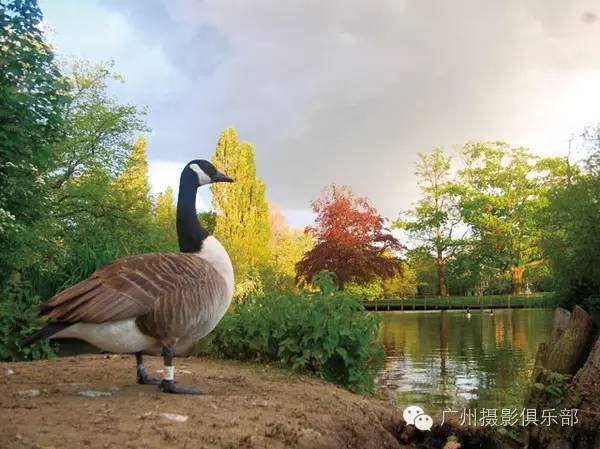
169 386
144 379
142 376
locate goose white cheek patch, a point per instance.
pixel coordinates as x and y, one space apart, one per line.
169 373
203 178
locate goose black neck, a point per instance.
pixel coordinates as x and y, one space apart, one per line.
190 232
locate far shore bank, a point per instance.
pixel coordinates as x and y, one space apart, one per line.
535 300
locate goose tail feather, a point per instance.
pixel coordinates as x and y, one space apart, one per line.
45 332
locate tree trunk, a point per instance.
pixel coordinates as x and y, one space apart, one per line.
516 274
559 324
568 352
441 272
566 355
585 391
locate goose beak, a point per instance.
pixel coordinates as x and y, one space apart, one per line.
220 177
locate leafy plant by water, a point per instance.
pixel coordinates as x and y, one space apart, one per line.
556 387
326 333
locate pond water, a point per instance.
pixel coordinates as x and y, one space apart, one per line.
442 360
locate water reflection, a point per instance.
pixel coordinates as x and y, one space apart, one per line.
442 359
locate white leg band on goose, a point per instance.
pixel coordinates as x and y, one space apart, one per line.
169 373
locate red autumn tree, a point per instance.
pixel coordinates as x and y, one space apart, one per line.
351 240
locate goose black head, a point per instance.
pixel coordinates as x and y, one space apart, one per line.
203 172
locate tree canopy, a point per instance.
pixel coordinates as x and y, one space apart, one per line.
33 95
501 194
242 222
434 219
571 226
351 240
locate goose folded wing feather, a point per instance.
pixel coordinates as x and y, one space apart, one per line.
126 288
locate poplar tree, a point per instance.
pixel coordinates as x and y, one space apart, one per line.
242 223
133 185
107 217
126 212
165 207
164 218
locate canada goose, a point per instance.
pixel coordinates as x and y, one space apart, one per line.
158 302
468 313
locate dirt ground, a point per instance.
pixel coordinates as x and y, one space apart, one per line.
246 406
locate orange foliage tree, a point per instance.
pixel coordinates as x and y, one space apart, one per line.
351 241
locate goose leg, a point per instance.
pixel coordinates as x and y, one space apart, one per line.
168 385
142 376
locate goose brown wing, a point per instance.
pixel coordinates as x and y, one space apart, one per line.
126 288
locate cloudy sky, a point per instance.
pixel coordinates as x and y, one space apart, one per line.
342 91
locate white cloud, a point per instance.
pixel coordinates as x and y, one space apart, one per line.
348 91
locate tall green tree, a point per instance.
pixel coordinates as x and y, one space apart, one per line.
98 140
99 217
100 128
435 217
501 195
132 185
164 210
32 88
32 99
165 215
108 216
242 223
571 225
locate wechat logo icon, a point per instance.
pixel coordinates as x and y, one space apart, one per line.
415 416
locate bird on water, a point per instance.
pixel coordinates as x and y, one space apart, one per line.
152 303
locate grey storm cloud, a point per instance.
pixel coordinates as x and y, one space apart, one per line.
350 91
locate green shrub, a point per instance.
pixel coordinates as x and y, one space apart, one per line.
325 334
371 291
18 319
557 388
